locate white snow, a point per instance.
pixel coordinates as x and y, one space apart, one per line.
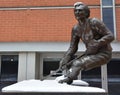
48 86
75 82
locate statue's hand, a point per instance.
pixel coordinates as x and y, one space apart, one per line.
62 65
64 62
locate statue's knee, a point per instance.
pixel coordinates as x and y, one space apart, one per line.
77 63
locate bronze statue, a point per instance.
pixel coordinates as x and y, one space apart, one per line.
96 37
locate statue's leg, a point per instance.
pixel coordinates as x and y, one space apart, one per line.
86 63
97 60
73 72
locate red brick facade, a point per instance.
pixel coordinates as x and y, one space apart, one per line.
16 3
38 25
118 19
118 23
41 25
117 2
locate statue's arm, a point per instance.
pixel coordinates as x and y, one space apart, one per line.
72 48
73 44
107 35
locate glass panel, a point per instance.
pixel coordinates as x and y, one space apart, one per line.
92 75
114 69
9 68
108 18
49 65
107 2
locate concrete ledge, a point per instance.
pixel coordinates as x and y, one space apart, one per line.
38 93
49 87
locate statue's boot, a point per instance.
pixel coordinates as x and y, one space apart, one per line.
66 80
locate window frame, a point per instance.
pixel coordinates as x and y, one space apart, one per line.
114 15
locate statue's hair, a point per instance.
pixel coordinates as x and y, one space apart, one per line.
86 9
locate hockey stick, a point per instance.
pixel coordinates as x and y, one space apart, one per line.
60 69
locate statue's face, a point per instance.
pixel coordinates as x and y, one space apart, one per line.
79 12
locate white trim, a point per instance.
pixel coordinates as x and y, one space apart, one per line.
26 67
33 8
101 10
36 47
107 6
104 77
31 62
22 66
39 8
117 6
44 47
114 19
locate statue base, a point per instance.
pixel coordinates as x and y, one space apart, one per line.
50 87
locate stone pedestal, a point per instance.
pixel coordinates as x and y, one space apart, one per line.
50 87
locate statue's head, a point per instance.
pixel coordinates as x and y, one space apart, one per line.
81 10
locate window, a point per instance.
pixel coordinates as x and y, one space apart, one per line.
107 2
108 14
114 69
9 68
49 65
108 18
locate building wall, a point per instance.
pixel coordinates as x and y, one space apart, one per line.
118 23
118 19
43 20
117 2
38 25
22 3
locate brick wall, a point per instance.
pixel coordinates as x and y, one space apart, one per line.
39 25
118 19
16 3
118 23
117 2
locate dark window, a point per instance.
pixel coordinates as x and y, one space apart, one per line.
114 68
93 75
108 18
107 2
49 65
9 68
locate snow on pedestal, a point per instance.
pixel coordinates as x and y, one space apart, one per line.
49 86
